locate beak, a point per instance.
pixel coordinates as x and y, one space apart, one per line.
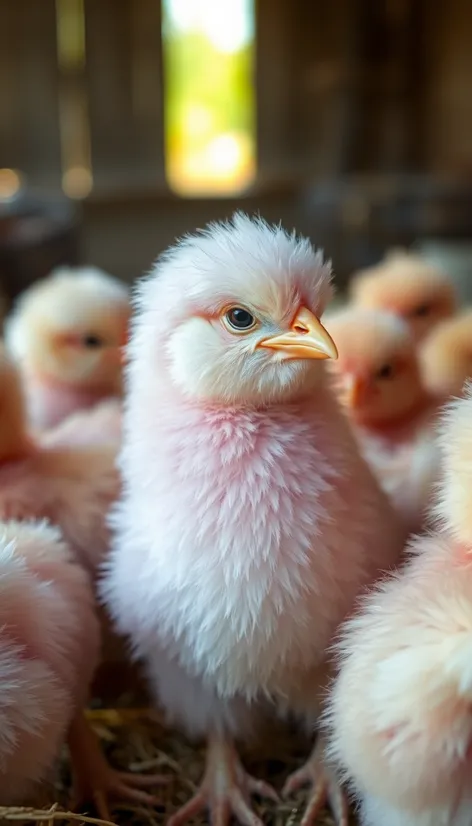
307 339
353 391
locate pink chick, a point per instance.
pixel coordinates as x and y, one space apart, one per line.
67 333
73 490
49 647
408 286
248 522
446 356
100 425
400 718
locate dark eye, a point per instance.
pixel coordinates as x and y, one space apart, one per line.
421 311
240 319
92 341
385 372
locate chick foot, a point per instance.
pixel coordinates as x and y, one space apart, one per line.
225 789
94 780
326 788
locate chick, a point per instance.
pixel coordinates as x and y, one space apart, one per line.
409 287
248 522
378 376
446 356
67 333
49 646
400 708
73 489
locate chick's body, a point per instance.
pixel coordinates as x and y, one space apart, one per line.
249 522
49 646
400 709
66 333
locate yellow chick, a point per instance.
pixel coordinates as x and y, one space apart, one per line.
408 286
67 333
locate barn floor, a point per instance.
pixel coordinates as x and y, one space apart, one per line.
135 737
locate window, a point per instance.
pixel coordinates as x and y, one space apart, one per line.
209 106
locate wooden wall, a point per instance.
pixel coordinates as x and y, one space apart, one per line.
364 122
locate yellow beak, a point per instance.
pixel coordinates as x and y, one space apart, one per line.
307 339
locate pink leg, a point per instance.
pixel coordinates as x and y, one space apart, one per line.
96 781
325 788
225 789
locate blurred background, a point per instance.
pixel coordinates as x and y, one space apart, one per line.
127 122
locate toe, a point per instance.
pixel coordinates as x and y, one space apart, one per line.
144 781
263 789
242 811
220 813
191 808
315 803
295 781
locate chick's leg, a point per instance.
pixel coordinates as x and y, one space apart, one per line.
325 787
225 789
94 780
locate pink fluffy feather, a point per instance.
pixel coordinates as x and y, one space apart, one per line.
49 645
400 709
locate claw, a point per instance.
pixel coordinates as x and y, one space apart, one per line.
95 780
225 790
325 789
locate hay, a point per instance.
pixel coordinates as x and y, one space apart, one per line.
137 739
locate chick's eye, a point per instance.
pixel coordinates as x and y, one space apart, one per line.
239 319
421 311
92 341
385 372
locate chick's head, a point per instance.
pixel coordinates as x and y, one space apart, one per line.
446 356
71 328
231 315
377 374
409 287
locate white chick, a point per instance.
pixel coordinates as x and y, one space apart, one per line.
249 522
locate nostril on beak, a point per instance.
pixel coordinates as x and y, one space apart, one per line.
298 328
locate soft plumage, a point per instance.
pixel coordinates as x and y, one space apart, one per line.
446 356
248 522
410 287
100 425
400 709
49 646
71 487
66 333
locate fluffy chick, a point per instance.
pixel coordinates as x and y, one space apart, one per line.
73 489
400 709
378 376
248 522
67 333
409 287
49 646
446 356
